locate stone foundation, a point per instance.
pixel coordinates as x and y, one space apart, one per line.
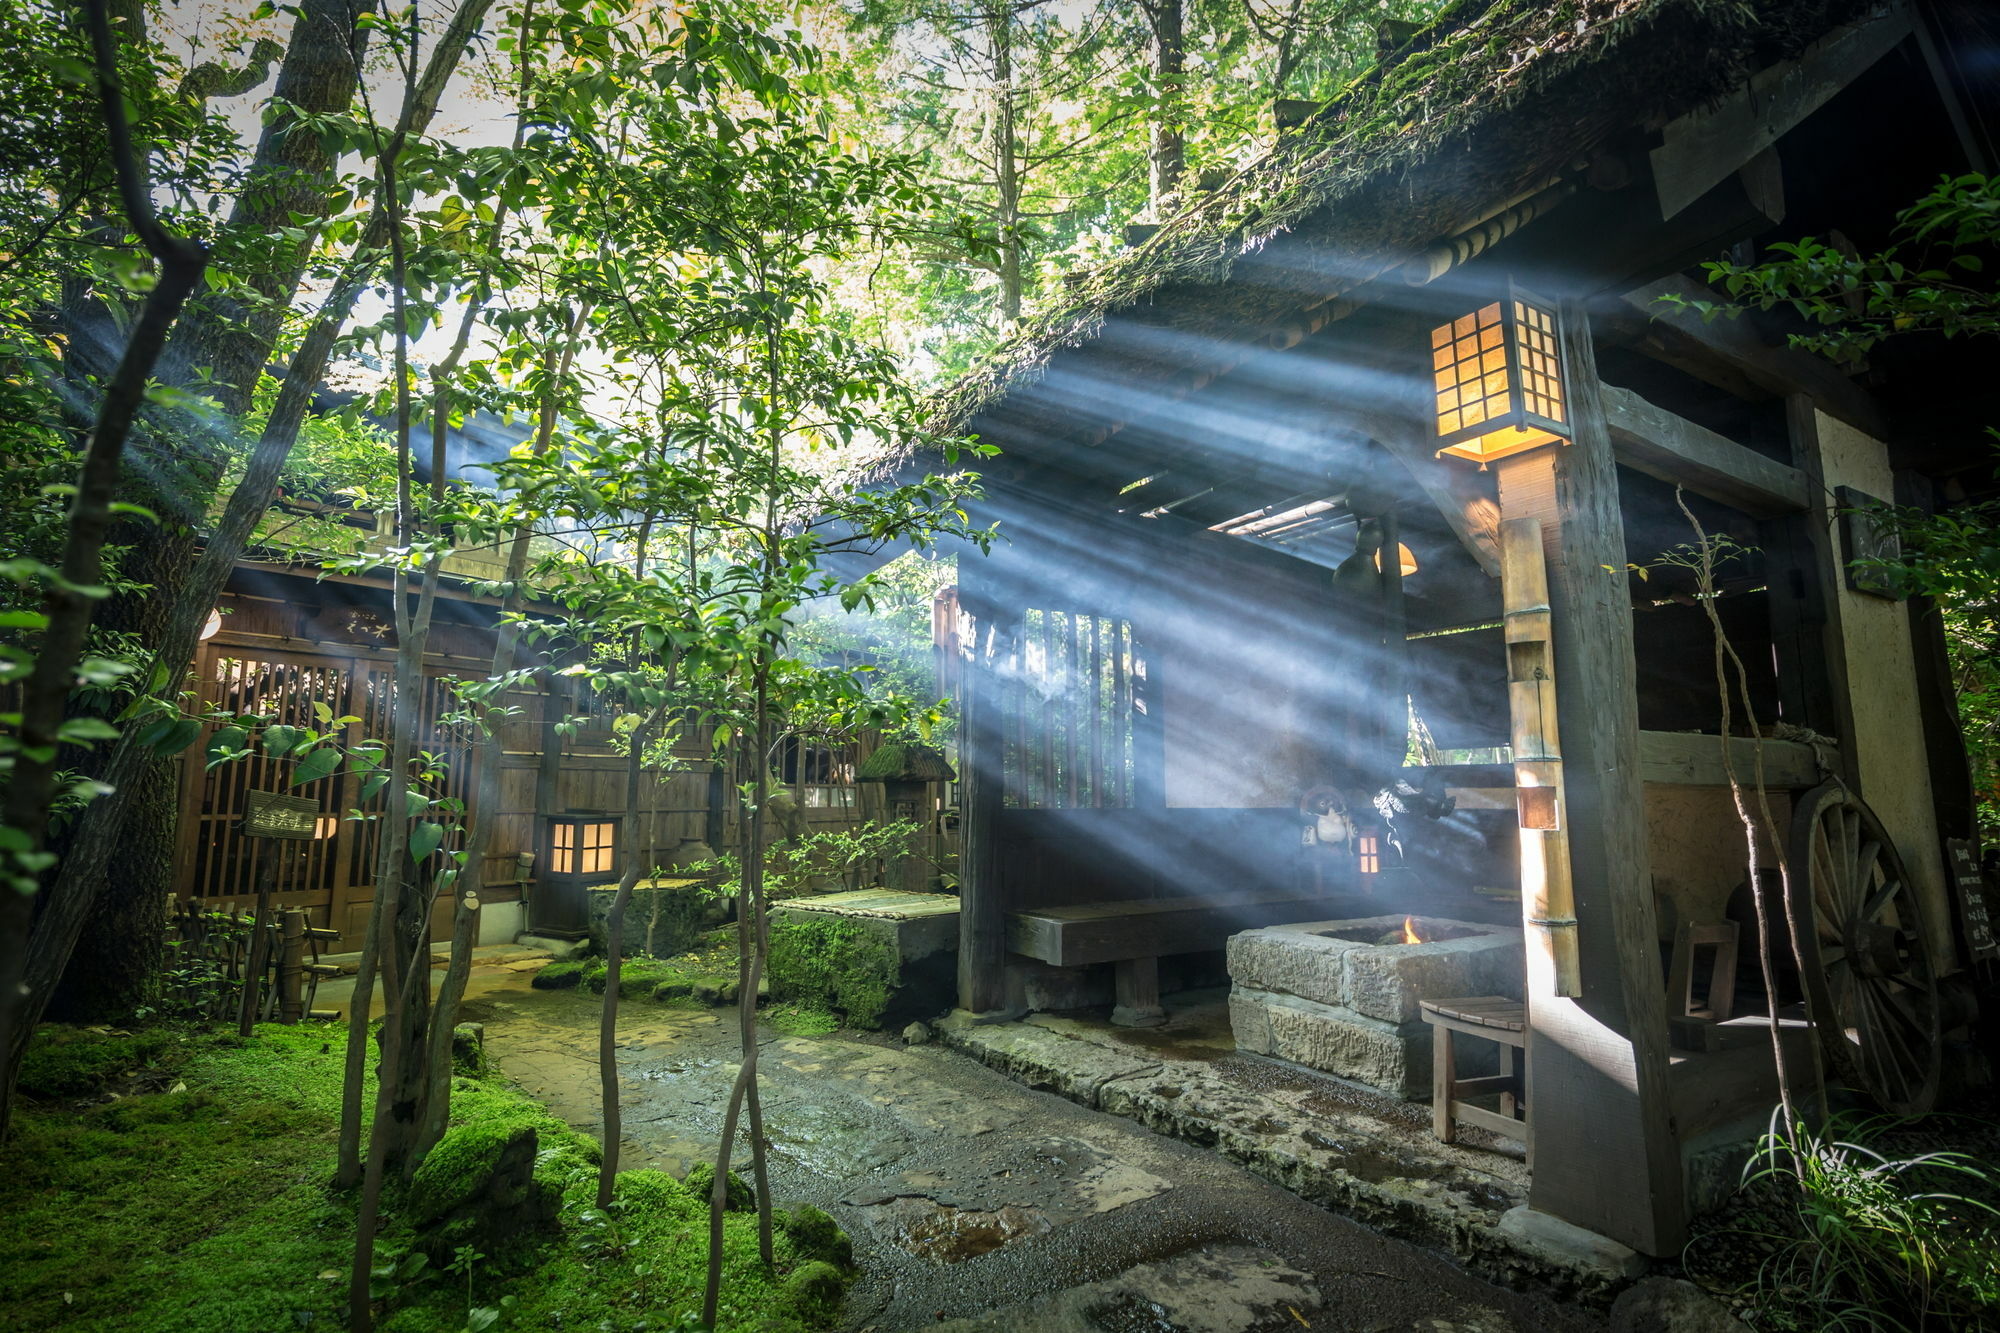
1326 995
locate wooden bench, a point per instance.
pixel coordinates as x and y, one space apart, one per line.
1134 935
1492 1018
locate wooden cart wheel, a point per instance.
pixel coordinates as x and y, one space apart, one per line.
1864 960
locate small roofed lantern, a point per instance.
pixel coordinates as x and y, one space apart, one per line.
1498 380
579 852
583 848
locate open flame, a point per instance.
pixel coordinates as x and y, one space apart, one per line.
1410 935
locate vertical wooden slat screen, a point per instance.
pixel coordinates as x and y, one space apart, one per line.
1069 734
326 876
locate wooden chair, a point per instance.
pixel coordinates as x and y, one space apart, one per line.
1491 1018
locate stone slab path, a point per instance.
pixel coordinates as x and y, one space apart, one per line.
977 1203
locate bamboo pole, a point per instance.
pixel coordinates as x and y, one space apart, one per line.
1548 905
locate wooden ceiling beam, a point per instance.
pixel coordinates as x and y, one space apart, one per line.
1728 353
1657 442
1700 150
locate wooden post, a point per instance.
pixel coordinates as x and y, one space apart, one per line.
291 966
1548 906
982 914
253 968
1597 1064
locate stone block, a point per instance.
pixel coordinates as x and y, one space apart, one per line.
1388 983
1394 1057
1290 960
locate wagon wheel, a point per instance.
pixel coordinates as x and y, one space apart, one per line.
1871 989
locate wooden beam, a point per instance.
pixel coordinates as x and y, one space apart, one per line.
1690 759
1805 607
1597 1065
1699 150
982 917
1728 353
1459 495
1654 441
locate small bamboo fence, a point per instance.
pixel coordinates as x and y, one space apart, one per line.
212 953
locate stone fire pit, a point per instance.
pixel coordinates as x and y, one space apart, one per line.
1333 995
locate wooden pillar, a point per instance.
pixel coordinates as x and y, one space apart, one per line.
1597 1064
982 908
291 966
1803 573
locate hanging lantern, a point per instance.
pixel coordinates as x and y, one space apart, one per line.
1406 560
1498 381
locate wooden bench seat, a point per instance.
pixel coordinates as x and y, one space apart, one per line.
1493 1018
1134 935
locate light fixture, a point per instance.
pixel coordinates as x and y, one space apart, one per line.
1498 380
1368 854
1406 560
213 625
583 848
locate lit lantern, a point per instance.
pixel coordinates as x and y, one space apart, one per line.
1499 381
1368 854
1406 560
583 849
579 852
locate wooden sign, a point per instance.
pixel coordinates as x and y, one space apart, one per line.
268 814
1974 906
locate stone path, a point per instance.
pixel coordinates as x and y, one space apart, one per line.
977 1203
1329 1141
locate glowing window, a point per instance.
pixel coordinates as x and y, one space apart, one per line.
586 846
1368 850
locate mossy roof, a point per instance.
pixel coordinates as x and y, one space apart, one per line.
1494 98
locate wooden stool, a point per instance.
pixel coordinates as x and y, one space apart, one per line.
1692 1019
1492 1018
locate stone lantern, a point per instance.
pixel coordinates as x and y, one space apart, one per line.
909 774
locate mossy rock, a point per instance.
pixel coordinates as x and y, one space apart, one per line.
468 1050
815 1235
836 965
813 1292
737 1198
478 1186
565 975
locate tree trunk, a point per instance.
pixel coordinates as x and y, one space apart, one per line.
67 903
289 185
31 783
1006 163
1167 157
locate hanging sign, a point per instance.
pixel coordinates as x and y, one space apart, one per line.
1974 906
269 814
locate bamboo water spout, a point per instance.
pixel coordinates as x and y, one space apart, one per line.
1548 907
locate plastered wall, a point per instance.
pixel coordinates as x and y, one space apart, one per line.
1882 683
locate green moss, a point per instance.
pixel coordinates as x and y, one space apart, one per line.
737 1198
79 1063
831 964
207 1210
563 975
697 978
799 1020
815 1235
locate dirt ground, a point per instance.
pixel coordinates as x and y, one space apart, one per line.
977 1203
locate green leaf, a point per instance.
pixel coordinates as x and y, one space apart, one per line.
315 766
78 729
375 783
23 620
424 839
225 743
279 740
171 735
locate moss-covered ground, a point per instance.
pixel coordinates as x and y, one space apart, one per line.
167 1182
700 978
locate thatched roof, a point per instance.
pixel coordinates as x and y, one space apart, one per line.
1494 99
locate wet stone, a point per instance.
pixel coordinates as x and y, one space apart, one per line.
946 1233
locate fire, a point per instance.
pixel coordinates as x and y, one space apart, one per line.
1410 935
